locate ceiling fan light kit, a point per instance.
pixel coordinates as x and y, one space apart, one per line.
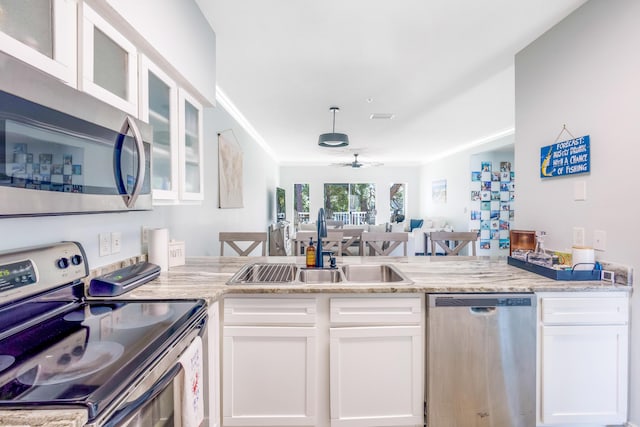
333 139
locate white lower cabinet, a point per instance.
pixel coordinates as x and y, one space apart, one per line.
269 362
583 358
289 362
376 362
376 376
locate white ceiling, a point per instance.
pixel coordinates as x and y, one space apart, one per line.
444 68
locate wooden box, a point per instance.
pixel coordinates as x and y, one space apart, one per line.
522 239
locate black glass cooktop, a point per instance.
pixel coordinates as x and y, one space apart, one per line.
88 353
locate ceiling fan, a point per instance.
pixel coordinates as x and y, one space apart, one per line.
355 164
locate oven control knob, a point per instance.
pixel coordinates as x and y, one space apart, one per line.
76 259
63 262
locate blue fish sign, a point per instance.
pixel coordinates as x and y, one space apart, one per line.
566 158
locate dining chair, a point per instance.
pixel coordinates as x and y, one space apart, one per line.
352 238
301 241
232 238
333 241
460 239
383 243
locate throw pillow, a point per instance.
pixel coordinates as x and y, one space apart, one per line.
415 223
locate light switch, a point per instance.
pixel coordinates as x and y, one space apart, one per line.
580 190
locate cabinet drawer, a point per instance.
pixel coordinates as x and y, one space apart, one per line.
270 311
585 310
388 311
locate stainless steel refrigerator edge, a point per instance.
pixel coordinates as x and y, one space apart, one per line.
481 357
33 85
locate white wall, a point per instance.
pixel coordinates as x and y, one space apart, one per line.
456 170
381 176
584 73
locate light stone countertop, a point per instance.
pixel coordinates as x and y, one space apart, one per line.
206 277
44 418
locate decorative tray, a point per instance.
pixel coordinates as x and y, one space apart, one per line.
552 273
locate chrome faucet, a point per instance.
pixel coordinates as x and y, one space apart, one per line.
322 232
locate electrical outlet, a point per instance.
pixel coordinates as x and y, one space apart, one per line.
144 239
116 242
578 236
599 240
104 247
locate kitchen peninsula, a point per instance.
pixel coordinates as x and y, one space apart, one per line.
206 277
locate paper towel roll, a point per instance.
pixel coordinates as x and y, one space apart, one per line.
583 258
159 247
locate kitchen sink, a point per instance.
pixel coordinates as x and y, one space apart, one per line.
373 273
289 273
262 273
320 275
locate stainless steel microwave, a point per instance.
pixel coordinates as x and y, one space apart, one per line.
64 152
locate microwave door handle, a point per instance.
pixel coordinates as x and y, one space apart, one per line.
123 414
130 125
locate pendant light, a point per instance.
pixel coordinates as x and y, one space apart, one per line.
333 139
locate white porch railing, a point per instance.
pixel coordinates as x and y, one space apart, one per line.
353 218
303 217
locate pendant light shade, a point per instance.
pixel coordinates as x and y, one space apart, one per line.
333 139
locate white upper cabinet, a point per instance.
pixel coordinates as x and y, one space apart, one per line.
43 34
176 117
159 108
190 122
109 63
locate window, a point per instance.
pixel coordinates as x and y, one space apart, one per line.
350 203
301 203
397 202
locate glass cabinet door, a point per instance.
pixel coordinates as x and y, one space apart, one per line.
43 34
109 63
159 107
191 148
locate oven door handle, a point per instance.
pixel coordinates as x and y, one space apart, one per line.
131 408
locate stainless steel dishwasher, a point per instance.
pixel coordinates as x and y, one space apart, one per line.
481 360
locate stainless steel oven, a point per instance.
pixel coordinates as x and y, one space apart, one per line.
127 362
63 151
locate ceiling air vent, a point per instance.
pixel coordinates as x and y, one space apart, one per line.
382 116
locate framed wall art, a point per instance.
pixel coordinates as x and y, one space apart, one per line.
230 159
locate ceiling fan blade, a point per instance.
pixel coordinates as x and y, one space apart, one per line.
355 164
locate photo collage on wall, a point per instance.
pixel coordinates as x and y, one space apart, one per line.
45 171
492 203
